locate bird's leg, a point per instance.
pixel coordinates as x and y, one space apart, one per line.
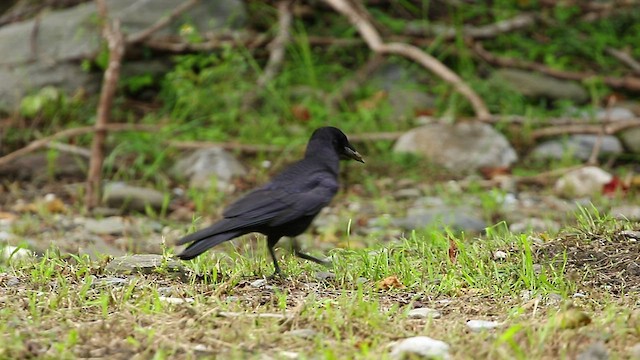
300 254
277 272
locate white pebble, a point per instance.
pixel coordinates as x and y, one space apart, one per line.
424 313
479 325
423 346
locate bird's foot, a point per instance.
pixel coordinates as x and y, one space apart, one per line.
276 275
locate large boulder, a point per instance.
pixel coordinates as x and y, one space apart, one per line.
205 167
463 147
540 86
50 55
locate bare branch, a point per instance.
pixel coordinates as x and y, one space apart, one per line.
116 43
161 23
608 128
628 82
375 42
276 55
625 58
41 143
483 32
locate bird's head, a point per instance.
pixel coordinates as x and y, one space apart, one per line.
338 140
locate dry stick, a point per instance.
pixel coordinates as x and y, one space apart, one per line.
41 143
375 43
244 148
212 42
115 41
70 149
162 23
606 128
625 58
628 82
483 32
276 53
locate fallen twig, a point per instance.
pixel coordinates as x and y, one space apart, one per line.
231 146
628 82
161 23
375 43
625 58
276 53
115 41
607 128
40 143
69 149
445 32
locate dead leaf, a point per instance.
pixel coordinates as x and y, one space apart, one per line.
493 172
372 101
453 251
572 318
390 282
55 206
7 216
301 112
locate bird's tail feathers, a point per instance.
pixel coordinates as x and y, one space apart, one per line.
203 244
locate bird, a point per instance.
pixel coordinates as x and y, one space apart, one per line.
286 205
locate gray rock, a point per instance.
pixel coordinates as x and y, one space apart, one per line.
630 234
626 212
456 218
463 147
422 347
634 352
631 139
65 36
537 85
302 333
10 281
258 283
577 146
595 351
142 263
111 282
39 167
410 193
614 114
480 325
423 313
175 300
534 225
205 165
113 225
12 253
325 275
126 197
586 181
500 255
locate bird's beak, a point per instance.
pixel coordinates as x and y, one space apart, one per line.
353 154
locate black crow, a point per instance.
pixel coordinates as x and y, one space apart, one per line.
286 205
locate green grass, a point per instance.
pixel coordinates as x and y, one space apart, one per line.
63 306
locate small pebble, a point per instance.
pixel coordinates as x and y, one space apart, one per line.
479 325
258 283
424 313
500 255
325 275
175 300
302 333
595 351
420 346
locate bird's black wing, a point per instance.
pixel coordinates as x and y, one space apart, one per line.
280 202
